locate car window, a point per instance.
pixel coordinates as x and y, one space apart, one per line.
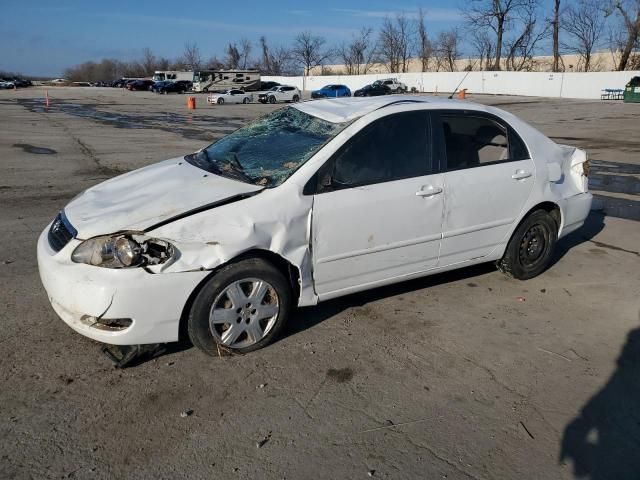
390 148
471 141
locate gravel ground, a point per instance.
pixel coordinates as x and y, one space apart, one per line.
467 374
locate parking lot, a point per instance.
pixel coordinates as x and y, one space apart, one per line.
466 374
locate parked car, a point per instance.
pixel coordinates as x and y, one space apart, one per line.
171 87
373 90
283 93
394 85
222 239
6 84
331 91
268 85
21 83
141 85
229 96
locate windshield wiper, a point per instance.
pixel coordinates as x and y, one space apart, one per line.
238 169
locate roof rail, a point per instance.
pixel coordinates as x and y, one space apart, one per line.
406 100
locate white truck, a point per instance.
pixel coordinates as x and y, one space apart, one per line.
393 84
281 93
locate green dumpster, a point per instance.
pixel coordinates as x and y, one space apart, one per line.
632 91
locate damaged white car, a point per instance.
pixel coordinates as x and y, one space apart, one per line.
308 203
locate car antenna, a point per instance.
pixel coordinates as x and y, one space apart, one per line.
461 81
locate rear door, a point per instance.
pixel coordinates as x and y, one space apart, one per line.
377 209
488 178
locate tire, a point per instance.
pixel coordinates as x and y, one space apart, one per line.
245 100
272 99
296 99
531 247
244 319
205 90
221 101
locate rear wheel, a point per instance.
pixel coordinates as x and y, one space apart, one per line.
242 307
530 249
296 98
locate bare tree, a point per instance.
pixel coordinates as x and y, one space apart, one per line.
555 23
358 55
425 49
191 56
520 49
245 50
232 56
395 42
214 63
265 63
484 48
309 51
584 23
495 15
629 10
277 61
281 59
148 61
447 49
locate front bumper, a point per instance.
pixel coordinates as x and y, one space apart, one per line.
80 294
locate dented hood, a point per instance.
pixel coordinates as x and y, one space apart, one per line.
145 197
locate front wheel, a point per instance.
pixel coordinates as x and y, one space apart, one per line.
242 307
272 99
221 101
530 249
245 100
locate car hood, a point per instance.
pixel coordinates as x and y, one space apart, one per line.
148 196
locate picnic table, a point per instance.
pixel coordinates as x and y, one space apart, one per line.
612 94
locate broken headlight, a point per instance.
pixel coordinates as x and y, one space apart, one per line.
123 251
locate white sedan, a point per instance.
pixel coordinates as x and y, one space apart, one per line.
311 202
229 96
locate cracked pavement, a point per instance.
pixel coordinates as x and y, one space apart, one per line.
466 374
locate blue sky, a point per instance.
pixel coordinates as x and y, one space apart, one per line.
43 37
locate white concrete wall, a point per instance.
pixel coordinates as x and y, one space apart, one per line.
534 84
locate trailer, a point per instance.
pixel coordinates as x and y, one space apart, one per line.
171 76
220 80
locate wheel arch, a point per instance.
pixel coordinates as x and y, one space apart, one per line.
551 208
288 269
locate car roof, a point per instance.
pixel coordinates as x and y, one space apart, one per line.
346 109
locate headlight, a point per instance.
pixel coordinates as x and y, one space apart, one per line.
122 251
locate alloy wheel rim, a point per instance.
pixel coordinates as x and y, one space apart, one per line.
244 313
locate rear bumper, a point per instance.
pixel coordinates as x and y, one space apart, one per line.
80 294
575 210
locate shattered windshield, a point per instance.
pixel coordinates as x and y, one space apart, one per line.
267 151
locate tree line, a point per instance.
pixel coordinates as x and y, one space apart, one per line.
496 34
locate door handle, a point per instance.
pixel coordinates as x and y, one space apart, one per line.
520 175
429 191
